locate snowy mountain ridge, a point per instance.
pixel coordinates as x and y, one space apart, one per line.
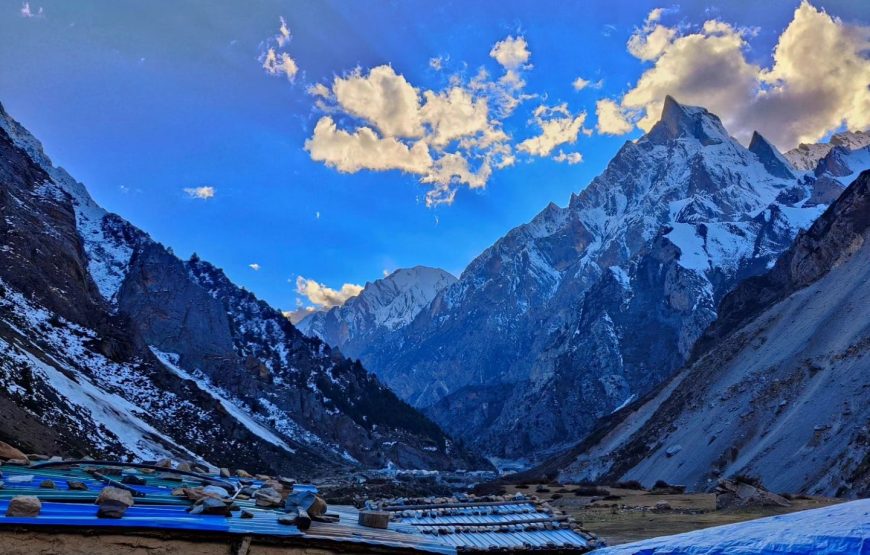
565 317
113 346
382 307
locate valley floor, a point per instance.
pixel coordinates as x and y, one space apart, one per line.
632 515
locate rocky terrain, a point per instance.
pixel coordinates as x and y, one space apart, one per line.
112 346
591 306
775 389
382 307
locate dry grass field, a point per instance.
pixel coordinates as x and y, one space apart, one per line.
626 515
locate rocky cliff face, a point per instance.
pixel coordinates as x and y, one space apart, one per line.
112 346
568 316
777 386
807 156
382 307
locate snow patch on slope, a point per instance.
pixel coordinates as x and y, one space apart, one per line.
843 528
170 360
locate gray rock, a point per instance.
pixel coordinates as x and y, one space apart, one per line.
24 506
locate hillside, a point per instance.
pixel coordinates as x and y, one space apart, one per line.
111 346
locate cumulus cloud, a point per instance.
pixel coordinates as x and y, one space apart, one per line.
817 83
580 83
256 267
612 120
511 52
202 193
569 158
558 127
382 98
378 120
364 149
325 297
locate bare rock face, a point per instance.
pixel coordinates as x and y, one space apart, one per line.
24 506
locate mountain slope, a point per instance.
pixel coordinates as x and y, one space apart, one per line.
568 316
382 307
777 386
110 345
807 156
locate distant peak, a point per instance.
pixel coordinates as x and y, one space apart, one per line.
770 157
680 120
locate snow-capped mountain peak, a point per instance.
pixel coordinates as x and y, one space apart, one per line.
382 307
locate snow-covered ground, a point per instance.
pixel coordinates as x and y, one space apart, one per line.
838 529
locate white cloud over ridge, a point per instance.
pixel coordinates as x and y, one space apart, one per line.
558 127
378 120
817 83
324 297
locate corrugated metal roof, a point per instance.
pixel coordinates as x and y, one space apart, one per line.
428 525
481 524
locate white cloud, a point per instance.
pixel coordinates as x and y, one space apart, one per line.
382 98
277 63
453 114
299 314
611 119
579 84
323 296
511 52
283 36
451 137
202 193
817 83
558 127
363 149
256 267
569 158
27 11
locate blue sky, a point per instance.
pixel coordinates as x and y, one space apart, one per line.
141 102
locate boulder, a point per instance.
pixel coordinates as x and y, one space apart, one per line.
133 480
740 493
164 463
243 474
267 497
184 467
246 514
225 472
24 506
210 506
216 491
663 506
115 494
310 502
111 508
7 452
74 485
